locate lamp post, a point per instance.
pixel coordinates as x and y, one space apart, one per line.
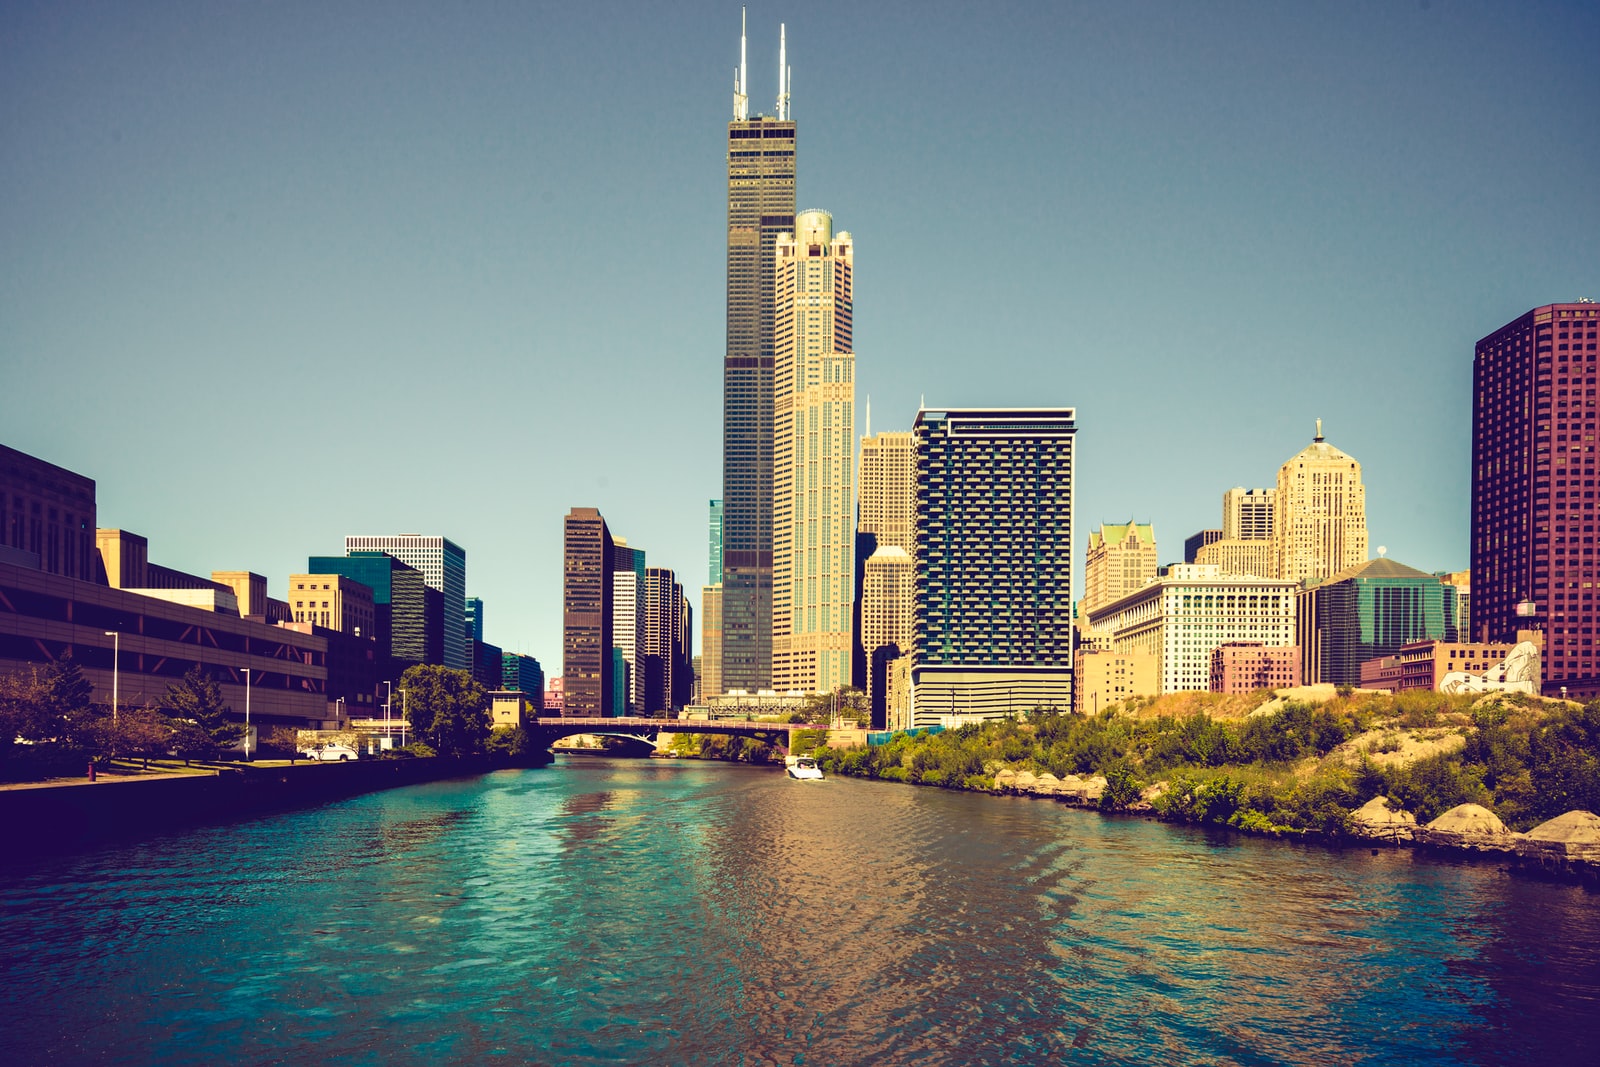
388 701
339 709
116 658
246 714
404 721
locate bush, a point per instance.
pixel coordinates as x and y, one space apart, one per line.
1122 788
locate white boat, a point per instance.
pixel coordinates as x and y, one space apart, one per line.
803 768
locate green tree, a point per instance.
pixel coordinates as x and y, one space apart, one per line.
198 699
140 732
448 709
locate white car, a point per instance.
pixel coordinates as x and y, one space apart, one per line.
331 752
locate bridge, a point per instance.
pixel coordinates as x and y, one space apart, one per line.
548 729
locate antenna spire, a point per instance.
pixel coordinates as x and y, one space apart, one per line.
783 73
741 95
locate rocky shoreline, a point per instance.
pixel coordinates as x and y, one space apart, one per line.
1568 844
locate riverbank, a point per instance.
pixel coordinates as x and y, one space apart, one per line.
71 814
1511 778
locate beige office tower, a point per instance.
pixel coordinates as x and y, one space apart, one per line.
1122 560
1247 514
888 488
1319 524
813 457
888 616
1237 557
888 511
710 640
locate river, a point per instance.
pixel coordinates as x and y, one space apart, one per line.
631 911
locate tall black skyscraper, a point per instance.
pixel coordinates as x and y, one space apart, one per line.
761 158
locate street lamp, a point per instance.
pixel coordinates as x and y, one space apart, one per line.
246 713
388 701
404 722
339 710
116 656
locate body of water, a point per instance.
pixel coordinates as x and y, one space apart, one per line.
616 911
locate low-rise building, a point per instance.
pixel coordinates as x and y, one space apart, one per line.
1106 677
1191 610
1425 664
508 709
1246 666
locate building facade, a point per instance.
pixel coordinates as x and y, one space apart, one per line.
994 561
443 565
761 172
1366 612
1103 677
627 598
1195 542
1120 560
1423 665
814 464
888 618
586 642
1534 425
1246 666
1319 524
1247 514
47 516
1233 556
334 601
886 515
1191 610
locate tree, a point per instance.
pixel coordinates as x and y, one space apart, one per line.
198 699
448 709
141 732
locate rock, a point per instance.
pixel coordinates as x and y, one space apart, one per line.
1047 785
1573 836
1377 821
1005 779
1024 782
1469 826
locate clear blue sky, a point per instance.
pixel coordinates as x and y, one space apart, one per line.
275 273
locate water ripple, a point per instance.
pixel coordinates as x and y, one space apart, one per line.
625 912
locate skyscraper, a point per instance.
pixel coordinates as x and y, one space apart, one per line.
1247 514
886 546
814 438
1534 513
761 170
586 648
443 564
1121 560
1319 525
627 596
711 610
994 561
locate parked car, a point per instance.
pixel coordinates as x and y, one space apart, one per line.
331 752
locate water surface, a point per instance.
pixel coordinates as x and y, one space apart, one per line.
603 911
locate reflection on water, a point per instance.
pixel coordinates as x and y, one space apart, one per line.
633 911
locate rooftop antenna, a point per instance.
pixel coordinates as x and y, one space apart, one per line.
783 73
1319 429
741 98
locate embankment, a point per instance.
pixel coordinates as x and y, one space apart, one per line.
63 817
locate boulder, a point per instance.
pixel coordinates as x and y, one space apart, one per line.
1005 780
1470 826
1573 836
1047 785
1377 821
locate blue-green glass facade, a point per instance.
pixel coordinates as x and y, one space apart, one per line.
1370 611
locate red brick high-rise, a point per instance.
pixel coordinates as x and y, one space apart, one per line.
1534 509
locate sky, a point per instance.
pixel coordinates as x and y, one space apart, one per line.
276 273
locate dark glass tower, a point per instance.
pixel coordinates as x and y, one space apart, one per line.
761 168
